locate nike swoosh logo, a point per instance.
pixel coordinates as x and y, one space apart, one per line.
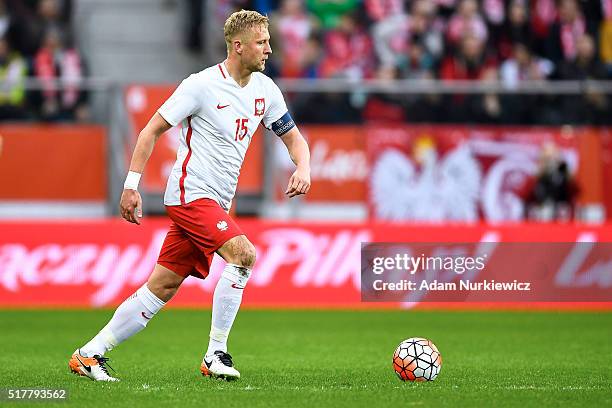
236 286
219 106
86 367
145 316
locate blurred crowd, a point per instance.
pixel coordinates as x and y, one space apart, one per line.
36 40
506 40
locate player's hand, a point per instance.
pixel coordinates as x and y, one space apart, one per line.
299 183
130 206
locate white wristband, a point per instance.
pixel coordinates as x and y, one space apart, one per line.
132 180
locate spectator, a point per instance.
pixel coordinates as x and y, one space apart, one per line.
466 21
494 12
35 21
401 40
293 27
564 34
593 106
389 31
311 58
53 15
348 51
427 29
13 73
585 65
469 62
524 66
55 62
544 14
516 29
12 28
417 62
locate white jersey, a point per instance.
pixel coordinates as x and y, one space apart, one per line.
219 118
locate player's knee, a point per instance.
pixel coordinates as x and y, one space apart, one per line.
239 251
243 254
247 256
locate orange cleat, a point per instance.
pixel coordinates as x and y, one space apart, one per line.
95 368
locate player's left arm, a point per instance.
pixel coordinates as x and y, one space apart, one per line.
299 183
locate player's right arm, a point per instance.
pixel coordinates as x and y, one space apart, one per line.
130 204
181 104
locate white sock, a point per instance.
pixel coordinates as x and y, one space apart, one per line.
226 302
131 316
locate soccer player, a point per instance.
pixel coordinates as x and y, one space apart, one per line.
220 109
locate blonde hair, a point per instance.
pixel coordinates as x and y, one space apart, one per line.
241 21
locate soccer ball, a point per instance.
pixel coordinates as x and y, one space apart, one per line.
417 359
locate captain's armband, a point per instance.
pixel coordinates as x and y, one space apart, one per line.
283 125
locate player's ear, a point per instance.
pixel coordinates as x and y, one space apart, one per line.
237 45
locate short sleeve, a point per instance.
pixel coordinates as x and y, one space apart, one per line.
184 102
277 105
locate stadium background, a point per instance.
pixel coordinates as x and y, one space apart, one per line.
428 121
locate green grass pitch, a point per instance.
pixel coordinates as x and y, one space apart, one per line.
298 358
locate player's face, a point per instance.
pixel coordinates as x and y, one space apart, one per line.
256 49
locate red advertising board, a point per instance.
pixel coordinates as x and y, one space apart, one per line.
52 162
99 263
338 161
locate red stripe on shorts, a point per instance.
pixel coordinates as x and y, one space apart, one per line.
188 140
221 69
